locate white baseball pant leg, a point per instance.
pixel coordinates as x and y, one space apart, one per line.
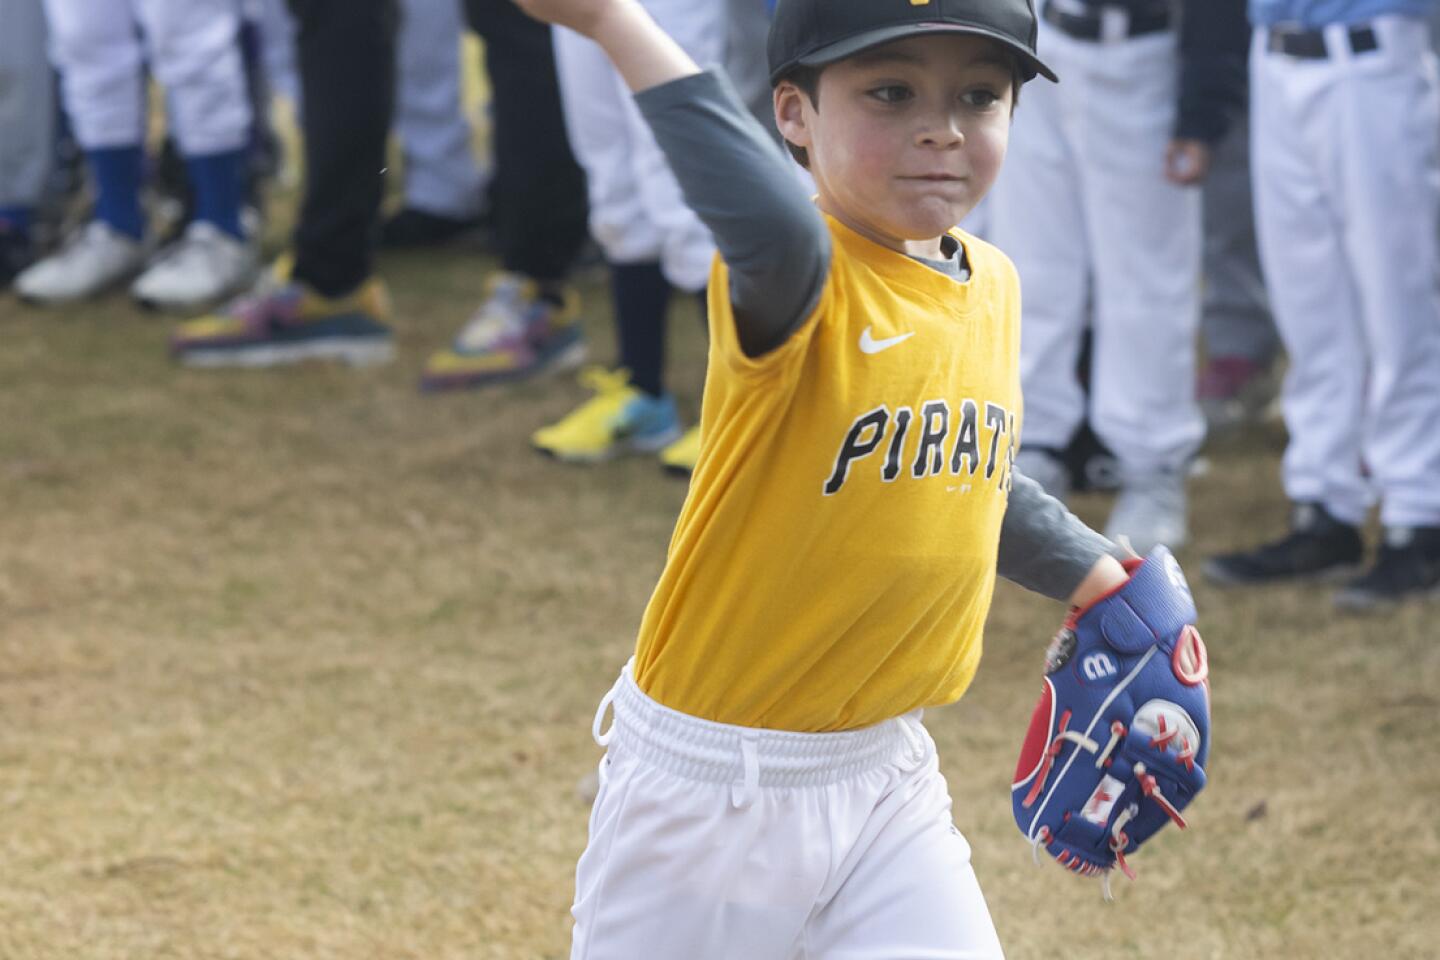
195 55
97 51
441 174
711 842
1083 199
1347 182
277 47
637 212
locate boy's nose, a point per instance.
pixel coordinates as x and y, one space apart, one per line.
943 133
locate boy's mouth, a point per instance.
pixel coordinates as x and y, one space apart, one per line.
934 177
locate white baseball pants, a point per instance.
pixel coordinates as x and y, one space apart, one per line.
277 47
637 212
441 175
713 842
1083 200
1346 159
193 53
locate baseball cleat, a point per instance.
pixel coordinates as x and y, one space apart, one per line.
1150 510
620 419
680 457
289 323
1318 547
1406 568
517 332
94 259
205 265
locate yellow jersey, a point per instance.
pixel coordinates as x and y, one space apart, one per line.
835 558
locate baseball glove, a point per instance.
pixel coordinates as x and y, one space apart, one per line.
1118 743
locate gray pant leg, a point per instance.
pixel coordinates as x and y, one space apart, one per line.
27 104
1235 319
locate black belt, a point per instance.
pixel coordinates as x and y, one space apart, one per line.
1310 44
1091 26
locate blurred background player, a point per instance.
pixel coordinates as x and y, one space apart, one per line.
324 302
653 243
445 189
193 50
27 130
1345 124
1241 345
528 321
1098 202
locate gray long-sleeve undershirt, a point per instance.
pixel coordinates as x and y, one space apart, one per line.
777 249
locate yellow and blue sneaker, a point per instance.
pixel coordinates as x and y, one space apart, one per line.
286 322
681 456
517 332
619 419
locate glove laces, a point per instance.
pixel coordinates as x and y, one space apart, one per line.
1053 751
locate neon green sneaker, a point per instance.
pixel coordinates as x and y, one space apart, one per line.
681 456
619 419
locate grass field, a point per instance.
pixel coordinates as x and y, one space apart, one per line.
301 664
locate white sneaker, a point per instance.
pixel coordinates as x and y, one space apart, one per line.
1150 510
205 265
93 259
1046 469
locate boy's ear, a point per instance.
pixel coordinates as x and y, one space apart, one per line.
790 114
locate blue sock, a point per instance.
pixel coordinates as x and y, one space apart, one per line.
15 220
218 180
118 172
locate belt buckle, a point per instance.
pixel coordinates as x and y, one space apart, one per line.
1277 32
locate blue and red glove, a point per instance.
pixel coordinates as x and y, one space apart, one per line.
1118 743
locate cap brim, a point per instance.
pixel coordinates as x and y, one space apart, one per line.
840 49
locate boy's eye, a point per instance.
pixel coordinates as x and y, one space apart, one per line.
891 93
982 98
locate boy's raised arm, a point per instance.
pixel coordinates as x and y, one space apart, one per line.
731 172
644 54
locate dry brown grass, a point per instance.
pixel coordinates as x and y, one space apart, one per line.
302 664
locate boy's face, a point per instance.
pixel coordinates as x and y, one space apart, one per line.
906 138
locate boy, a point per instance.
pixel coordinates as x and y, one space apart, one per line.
769 789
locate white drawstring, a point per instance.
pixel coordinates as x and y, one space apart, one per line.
603 738
750 757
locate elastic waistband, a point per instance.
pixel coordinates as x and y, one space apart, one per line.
724 753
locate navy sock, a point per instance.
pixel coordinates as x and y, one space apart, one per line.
118 172
642 296
218 180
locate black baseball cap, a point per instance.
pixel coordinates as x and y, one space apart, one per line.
813 33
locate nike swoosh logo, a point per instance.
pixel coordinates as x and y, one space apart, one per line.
869 344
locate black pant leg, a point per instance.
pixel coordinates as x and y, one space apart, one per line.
541 212
347 79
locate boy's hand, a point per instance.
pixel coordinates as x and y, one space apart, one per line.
1187 162
643 53
582 16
